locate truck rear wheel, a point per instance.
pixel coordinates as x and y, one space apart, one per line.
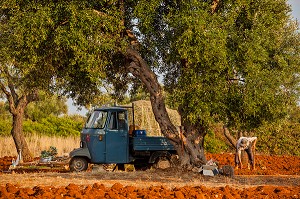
162 163
78 164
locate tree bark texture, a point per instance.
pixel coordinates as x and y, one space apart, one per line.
17 109
194 141
189 143
18 136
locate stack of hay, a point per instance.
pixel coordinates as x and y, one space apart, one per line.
144 118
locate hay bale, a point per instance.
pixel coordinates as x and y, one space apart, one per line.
145 120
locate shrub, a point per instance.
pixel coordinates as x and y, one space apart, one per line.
54 126
213 144
280 139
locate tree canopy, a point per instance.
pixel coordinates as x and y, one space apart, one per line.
234 61
48 46
238 63
60 45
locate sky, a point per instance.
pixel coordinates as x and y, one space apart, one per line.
295 8
75 109
295 4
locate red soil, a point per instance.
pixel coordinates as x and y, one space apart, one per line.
120 191
265 164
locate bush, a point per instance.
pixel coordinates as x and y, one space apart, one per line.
54 126
213 144
280 139
50 126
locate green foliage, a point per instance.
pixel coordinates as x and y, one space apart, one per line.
54 126
42 117
239 64
61 45
51 152
51 126
281 142
281 137
213 144
46 106
138 93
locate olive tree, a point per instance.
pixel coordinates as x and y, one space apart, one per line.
236 62
56 47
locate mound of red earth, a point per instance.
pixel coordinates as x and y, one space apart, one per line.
119 191
265 164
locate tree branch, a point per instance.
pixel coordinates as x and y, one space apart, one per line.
140 69
229 137
11 85
33 96
214 6
102 14
9 97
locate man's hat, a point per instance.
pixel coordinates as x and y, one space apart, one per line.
244 142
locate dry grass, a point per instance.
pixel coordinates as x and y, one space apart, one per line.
140 179
169 178
38 143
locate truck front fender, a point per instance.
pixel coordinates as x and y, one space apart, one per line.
80 152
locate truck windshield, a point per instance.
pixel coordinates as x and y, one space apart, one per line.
96 120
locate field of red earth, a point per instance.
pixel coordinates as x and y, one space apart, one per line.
274 177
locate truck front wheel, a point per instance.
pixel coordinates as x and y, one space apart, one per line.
78 164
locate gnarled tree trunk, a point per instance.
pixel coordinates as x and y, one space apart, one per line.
18 135
194 143
17 107
189 143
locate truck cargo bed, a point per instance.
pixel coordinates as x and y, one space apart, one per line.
150 144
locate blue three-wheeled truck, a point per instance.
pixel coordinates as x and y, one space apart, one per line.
106 139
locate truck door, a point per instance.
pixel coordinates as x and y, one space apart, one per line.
94 136
117 146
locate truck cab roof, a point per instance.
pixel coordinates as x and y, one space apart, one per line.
110 108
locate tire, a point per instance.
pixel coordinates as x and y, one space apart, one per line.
78 164
162 163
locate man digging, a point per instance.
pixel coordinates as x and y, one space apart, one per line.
248 145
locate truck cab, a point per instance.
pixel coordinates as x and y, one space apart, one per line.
105 139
